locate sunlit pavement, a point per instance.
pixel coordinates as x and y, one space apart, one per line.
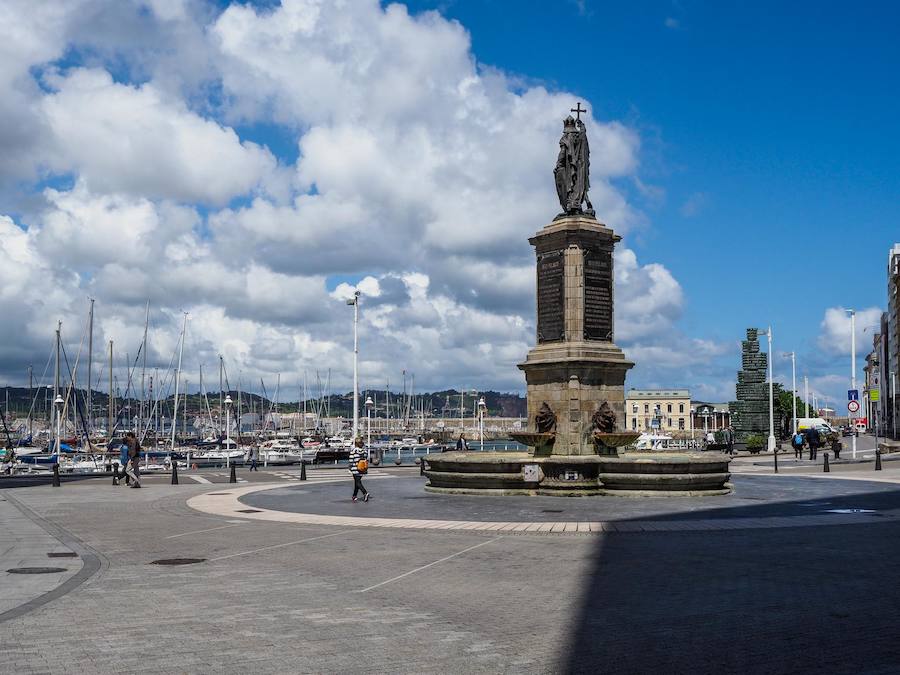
786 575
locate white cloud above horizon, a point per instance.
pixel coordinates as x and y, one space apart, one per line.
142 174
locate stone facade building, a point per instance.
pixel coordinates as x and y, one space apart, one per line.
665 410
890 330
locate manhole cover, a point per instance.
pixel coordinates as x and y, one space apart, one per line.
36 570
65 554
249 511
178 561
551 510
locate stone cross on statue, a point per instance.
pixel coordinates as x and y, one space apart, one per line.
578 110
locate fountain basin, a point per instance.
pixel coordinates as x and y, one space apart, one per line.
658 474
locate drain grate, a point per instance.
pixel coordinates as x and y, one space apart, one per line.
178 561
551 511
249 511
65 554
36 570
217 494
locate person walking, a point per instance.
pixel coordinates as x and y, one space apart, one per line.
133 467
461 445
123 462
814 440
729 439
359 467
797 444
254 458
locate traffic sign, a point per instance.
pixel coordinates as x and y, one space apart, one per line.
853 394
874 395
853 406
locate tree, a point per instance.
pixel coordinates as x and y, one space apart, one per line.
783 409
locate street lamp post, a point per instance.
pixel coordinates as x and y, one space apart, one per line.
228 403
355 302
369 405
481 407
58 402
793 356
853 374
771 396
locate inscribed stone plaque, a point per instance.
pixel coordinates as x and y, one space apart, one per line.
550 297
598 302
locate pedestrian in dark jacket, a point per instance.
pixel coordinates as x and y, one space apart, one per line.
461 444
254 458
814 440
133 468
359 466
836 447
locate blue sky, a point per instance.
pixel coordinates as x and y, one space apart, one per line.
251 163
770 128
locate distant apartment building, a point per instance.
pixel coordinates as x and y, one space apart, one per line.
658 409
890 348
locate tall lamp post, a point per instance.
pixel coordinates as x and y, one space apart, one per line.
369 405
481 407
793 356
771 396
228 403
355 302
853 373
58 402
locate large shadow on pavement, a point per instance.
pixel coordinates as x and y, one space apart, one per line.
769 600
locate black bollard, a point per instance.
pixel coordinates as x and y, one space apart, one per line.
55 475
878 460
233 477
115 469
827 468
303 470
174 473
776 460
422 467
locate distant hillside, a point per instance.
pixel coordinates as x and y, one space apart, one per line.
436 404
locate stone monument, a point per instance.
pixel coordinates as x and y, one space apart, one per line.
575 374
750 413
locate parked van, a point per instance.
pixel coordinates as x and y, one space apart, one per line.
804 423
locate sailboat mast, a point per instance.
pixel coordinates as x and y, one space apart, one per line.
143 404
177 378
221 390
90 391
110 400
31 399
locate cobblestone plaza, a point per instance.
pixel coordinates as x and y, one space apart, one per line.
788 574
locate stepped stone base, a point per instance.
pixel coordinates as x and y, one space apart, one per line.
519 473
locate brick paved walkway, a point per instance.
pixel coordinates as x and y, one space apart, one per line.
279 597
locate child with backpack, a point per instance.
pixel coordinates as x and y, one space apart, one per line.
359 467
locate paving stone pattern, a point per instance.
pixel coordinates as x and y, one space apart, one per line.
764 600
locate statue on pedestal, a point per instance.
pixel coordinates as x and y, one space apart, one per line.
573 166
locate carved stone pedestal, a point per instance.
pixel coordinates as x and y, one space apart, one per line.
575 366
